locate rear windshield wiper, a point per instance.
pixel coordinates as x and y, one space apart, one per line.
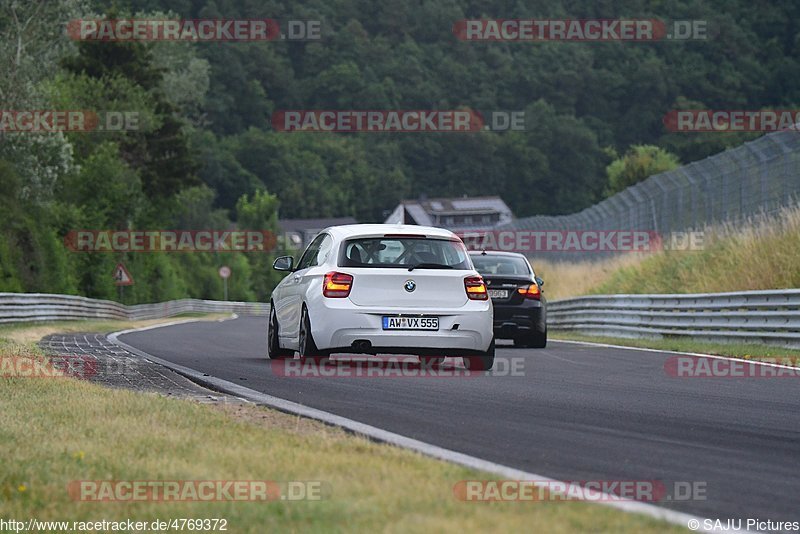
429 266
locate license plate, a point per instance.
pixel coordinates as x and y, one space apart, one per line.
498 293
410 323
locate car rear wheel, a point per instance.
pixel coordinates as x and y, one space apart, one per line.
539 340
274 350
483 362
308 348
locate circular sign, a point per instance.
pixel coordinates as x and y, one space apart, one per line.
224 271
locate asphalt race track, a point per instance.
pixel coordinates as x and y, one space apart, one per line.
578 413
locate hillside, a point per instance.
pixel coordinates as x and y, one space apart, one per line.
204 155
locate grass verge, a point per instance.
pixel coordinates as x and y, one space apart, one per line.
762 255
53 431
765 254
571 279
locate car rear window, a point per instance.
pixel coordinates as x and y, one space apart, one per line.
494 265
404 252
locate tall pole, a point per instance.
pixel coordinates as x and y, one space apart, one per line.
225 286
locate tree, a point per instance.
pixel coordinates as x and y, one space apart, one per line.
31 42
639 163
260 213
160 152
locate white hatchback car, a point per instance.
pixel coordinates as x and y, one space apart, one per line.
382 289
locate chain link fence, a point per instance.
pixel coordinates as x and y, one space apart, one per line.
756 179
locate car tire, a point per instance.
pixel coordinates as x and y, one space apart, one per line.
483 362
538 340
308 347
274 350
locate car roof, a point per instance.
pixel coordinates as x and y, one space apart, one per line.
379 230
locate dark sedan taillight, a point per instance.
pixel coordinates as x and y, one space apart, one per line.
530 292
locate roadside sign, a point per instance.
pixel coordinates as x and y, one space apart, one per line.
121 276
225 271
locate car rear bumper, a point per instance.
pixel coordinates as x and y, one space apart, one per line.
511 321
339 326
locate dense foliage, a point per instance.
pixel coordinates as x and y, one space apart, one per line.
206 156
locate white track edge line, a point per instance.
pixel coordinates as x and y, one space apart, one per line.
699 354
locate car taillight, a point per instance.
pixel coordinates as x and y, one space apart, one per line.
530 292
476 289
337 285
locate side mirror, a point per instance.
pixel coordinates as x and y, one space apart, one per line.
284 263
539 281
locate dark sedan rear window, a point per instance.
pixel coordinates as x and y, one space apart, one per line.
513 265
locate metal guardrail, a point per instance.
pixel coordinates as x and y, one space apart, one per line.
23 307
771 317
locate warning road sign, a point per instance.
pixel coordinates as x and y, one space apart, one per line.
121 276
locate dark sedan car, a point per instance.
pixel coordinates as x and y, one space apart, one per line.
520 309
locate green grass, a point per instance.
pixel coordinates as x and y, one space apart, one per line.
53 431
682 344
765 255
